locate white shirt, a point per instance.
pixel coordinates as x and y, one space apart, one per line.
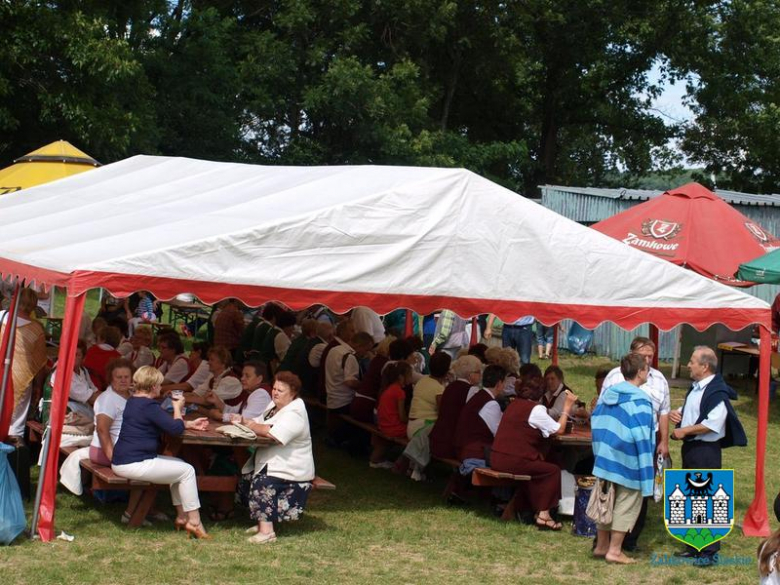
142 357
364 319
490 413
315 355
125 348
112 405
715 421
256 404
224 387
540 420
292 459
336 376
81 386
177 371
656 387
200 375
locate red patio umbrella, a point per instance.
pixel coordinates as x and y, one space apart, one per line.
692 227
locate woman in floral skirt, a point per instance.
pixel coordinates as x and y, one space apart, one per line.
277 480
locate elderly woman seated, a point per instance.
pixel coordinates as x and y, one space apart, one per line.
135 453
259 395
521 444
82 393
277 480
221 383
172 363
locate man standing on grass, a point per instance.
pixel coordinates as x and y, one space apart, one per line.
657 389
706 423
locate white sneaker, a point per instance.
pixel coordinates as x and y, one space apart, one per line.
381 465
417 475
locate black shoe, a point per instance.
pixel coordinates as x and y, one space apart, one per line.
687 554
630 547
456 500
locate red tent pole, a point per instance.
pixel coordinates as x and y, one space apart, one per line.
74 307
554 356
474 332
408 324
654 339
7 351
756 521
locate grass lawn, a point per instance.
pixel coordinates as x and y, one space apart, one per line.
378 527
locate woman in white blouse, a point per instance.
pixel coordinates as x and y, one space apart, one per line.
277 480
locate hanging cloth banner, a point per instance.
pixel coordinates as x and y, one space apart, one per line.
74 307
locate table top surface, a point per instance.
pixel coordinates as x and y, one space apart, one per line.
578 436
212 437
739 348
176 304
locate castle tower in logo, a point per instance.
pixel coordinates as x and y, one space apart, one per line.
677 506
720 506
699 505
705 510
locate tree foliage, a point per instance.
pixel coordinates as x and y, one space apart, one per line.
532 92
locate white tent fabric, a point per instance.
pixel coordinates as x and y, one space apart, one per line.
384 237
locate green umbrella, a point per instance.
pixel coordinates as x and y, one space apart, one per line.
764 269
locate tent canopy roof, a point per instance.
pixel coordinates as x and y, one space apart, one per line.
693 227
54 161
59 151
384 237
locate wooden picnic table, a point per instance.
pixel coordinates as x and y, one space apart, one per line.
186 312
207 483
578 437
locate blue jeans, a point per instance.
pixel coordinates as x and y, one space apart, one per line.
544 334
520 338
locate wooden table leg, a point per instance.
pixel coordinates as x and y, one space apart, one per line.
141 511
510 511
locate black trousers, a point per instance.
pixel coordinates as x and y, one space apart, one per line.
702 455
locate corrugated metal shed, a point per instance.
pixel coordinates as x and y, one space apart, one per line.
588 205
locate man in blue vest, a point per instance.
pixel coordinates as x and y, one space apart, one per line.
706 424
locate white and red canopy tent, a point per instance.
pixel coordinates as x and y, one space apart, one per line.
383 237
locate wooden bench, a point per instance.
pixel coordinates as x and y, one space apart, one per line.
104 478
486 477
36 430
374 430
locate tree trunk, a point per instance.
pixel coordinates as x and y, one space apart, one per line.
451 86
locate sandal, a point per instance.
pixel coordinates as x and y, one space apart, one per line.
548 524
261 538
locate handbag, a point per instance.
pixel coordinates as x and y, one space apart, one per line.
601 502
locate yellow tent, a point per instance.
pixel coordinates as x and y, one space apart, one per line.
54 161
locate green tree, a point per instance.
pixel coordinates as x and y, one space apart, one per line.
734 90
62 76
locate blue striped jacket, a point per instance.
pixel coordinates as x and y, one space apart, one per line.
623 438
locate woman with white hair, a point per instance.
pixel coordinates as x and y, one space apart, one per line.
468 373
